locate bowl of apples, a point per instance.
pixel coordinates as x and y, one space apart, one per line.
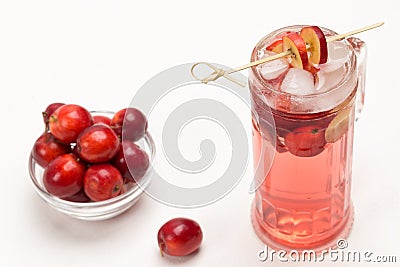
91 165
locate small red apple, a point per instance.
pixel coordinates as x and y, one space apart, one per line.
50 110
101 119
179 237
63 177
102 182
97 143
131 161
47 148
130 123
306 141
68 121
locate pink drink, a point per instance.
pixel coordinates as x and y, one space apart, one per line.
304 200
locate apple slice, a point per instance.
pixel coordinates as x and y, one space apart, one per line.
276 47
338 126
294 43
315 39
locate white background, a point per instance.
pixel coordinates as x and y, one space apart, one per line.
97 53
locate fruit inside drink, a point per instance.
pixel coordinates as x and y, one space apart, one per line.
303 110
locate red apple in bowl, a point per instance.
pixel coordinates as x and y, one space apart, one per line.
63 177
68 121
47 148
131 161
97 143
129 123
101 119
50 110
102 182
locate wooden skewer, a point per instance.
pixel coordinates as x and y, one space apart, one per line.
260 61
220 72
347 34
287 53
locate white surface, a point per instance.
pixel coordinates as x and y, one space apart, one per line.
97 53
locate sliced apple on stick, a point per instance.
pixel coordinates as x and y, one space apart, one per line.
295 44
276 47
314 37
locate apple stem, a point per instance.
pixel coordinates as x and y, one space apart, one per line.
218 72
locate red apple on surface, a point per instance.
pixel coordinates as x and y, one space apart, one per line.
102 182
63 177
97 143
68 121
294 43
179 237
47 148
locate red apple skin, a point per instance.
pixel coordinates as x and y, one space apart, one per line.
47 148
300 45
63 177
306 141
131 161
117 121
129 123
102 182
306 34
179 237
323 44
50 110
275 47
97 143
101 119
68 121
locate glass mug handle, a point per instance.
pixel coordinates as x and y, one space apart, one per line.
360 49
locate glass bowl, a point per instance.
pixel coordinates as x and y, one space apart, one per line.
96 211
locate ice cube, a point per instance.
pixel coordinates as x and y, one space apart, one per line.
273 69
338 54
327 80
298 82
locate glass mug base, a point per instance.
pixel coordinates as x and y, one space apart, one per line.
317 242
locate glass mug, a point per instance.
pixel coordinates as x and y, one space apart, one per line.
303 201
